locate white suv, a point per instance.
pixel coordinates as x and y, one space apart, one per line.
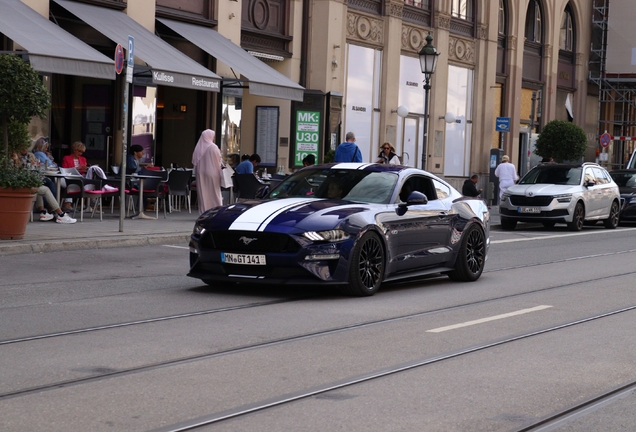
561 193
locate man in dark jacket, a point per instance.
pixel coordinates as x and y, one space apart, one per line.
469 189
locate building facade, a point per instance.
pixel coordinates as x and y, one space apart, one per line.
285 78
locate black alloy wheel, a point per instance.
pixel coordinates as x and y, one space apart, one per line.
612 221
578 218
471 257
367 266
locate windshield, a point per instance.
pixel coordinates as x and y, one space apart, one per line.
348 185
553 174
623 179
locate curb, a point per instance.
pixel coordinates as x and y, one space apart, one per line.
92 243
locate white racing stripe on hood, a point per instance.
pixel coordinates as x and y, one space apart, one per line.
351 165
257 218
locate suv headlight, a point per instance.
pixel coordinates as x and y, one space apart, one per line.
505 196
329 235
564 198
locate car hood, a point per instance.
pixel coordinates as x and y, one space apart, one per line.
288 215
542 189
627 190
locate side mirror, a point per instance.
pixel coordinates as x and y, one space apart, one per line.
415 198
590 183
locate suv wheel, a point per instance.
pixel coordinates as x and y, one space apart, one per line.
612 221
577 218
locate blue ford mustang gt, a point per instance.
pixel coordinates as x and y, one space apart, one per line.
352 224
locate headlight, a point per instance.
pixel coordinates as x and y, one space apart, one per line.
505 196
198 230
565 198
330 235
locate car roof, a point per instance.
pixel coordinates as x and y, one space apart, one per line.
623 171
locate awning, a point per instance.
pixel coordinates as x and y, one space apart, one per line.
263 80
169 66
50 48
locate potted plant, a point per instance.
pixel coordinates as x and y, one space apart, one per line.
22 96
562 141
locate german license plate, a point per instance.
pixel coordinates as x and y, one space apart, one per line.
528 209
246 259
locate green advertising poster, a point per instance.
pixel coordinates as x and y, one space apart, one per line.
307 135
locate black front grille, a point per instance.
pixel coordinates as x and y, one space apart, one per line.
249 242
533 201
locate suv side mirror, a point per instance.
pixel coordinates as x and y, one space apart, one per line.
590 183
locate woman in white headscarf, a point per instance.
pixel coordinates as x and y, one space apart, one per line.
206 161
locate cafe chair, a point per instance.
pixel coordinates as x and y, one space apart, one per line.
247 185
179 186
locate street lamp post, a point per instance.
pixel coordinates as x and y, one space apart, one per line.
428 60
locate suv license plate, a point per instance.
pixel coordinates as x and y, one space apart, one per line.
528 209
232 258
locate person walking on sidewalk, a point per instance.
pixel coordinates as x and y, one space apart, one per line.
507 175
207 161
348 151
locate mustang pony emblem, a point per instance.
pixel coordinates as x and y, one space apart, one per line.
247 240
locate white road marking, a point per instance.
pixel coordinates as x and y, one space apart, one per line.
178 247
560 236
492 318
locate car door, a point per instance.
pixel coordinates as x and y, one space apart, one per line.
606 187
419 238
592 193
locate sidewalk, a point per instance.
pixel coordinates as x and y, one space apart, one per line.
93 234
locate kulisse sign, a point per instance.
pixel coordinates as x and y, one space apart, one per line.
185 81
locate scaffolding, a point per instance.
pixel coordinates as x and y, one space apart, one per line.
617 93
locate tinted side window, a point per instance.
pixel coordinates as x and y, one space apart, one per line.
420 184
442 190
601 177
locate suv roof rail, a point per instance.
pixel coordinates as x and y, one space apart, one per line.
590 163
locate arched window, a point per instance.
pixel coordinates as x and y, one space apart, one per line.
462 9
502 18
534 22
566 37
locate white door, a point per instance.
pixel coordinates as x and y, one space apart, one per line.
410 142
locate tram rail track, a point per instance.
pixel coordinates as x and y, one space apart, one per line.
265 344
202 421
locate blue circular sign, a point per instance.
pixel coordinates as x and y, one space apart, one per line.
605 139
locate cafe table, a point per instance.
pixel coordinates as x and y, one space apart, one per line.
58 181
141 178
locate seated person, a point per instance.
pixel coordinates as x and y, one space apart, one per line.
405 191
334 190
247 166
132 160
42 154
44 193
75 159
309 160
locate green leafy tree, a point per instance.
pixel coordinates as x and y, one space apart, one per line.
19 138
562 141
22 95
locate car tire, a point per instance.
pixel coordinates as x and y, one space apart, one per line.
508 224
549 224
367 266
471 257
612 221
578 218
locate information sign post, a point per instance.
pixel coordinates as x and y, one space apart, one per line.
130 63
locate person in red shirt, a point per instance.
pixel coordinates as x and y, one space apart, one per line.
75 159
